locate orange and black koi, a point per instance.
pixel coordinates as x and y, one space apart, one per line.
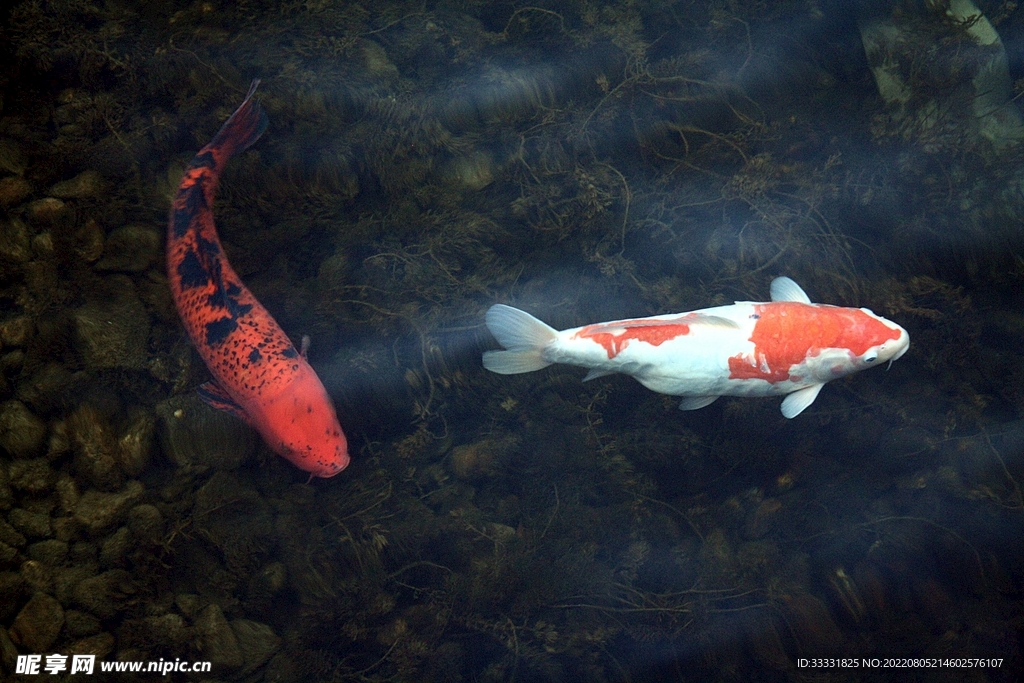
258 375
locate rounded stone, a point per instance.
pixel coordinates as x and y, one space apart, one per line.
15 242
50 211
32 476
79 624
194 434
31 524
22 433
38 623
14 190
114 332
16 331
146 524
50 552
97 511
86 185
130 249
104 594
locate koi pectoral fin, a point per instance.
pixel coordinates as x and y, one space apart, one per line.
214 395
696 402
795 403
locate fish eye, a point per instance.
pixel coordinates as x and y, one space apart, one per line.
870 359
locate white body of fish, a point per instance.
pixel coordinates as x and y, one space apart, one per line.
788 346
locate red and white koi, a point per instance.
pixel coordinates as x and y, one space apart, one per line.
258 375
787 346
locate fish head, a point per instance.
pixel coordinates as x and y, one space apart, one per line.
867 340
303 428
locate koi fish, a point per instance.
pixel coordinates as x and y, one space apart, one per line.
258 375
788 346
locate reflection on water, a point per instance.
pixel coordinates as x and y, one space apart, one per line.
582 161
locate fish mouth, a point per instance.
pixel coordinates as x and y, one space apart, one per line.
905 338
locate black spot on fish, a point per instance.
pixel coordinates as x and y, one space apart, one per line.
255 356
233 289
218 330
192 200
209 249
191 272
236 309
290 352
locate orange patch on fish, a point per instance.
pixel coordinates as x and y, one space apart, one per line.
615 337
787 333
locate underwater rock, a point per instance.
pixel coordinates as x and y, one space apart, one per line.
257 642
188 604
113 333
37 575
38 623
11 364
194 434
78 624
101 645
168 632
66 579
42 245
10 535
96 450
14 190
67 494
268 581
8 556
97 511
135 444
762 519
216 640
104 458
475 460
89 241
47 388
130 249
13 590
282 669
115 547
104 594
31 524
8 652
812 626
146 524
234 518
32 476
50 212
22 433
6 494
86 185
12 159
16 331
15 246
50 552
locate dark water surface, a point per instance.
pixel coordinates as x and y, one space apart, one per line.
583 161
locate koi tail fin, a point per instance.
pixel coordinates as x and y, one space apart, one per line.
244 127
524 338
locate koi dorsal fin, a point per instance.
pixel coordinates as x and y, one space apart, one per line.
784 289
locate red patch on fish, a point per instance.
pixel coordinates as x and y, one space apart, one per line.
615 337
259 376
787 333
